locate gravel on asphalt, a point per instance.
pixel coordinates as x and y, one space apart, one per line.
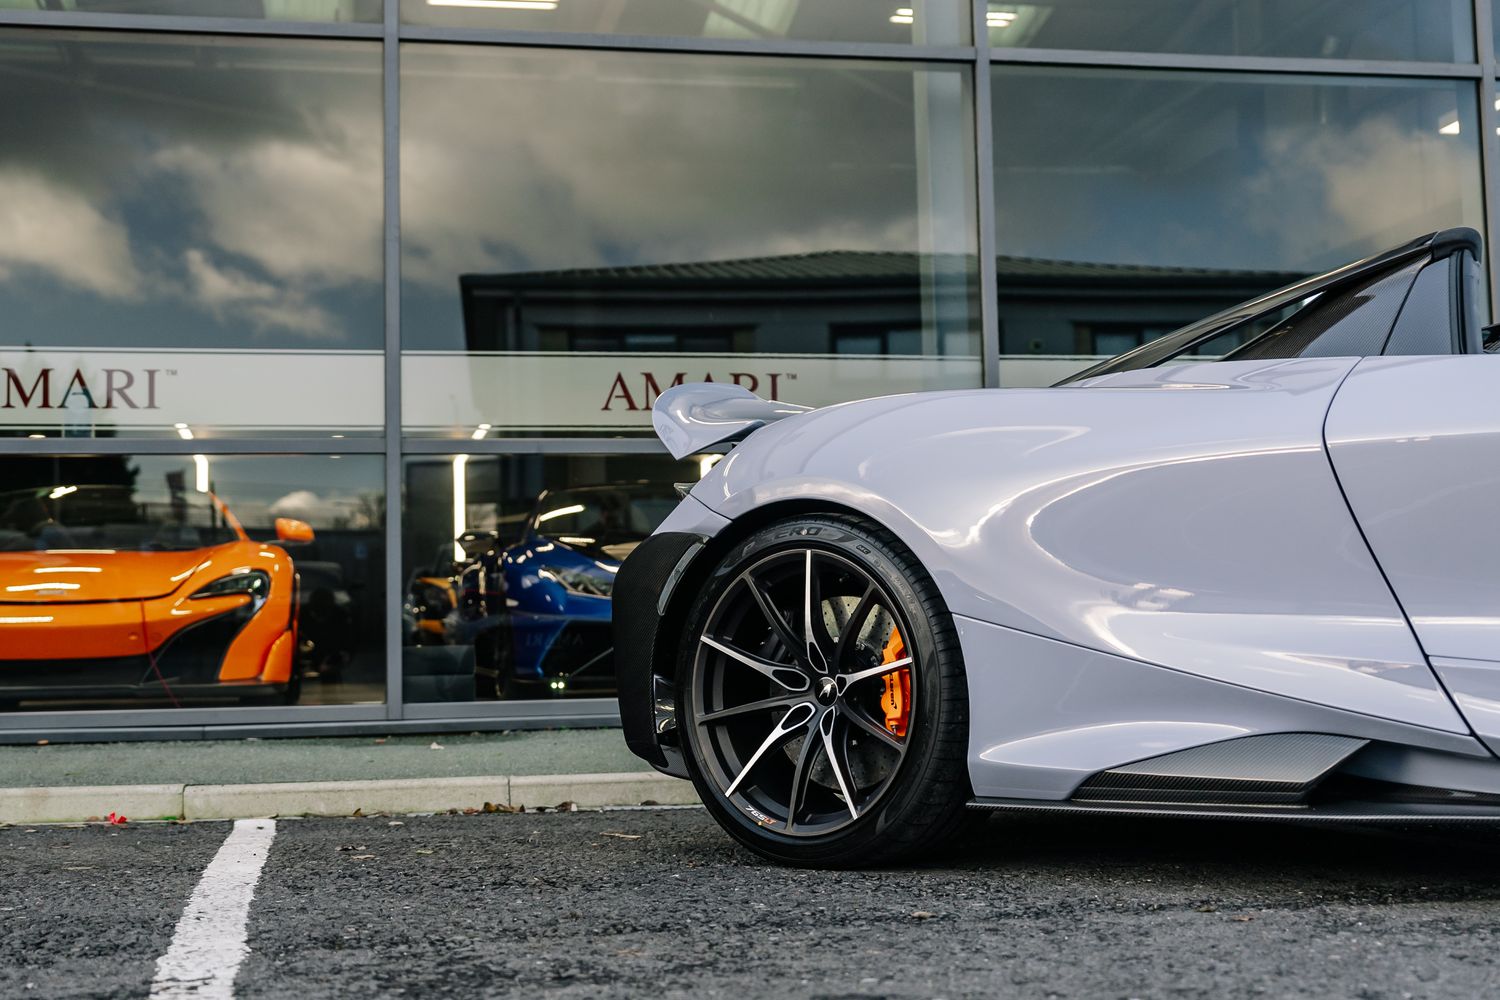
661 903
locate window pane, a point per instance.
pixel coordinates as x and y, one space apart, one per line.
166 198
582 229
510 563
275 10
924 22
1429 30
1146 200
157 581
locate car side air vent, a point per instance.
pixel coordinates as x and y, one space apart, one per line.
1278 769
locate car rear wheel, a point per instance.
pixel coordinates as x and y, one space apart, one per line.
822 697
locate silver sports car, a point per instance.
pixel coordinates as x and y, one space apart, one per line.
1250 569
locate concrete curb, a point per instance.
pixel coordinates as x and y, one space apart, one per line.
70 804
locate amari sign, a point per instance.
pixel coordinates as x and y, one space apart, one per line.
90 392
86 391
449 393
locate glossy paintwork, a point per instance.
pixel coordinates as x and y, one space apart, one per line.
1185 517
1049 714
92 604
1475 687
1416 443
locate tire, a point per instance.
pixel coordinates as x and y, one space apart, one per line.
761 748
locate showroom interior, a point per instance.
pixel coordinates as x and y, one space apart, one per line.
383 291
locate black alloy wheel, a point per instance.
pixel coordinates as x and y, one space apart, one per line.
822 696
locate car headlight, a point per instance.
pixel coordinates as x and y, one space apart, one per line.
576 581
256 583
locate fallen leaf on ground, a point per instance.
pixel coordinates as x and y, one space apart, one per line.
1242 920
381 740
360 857
622 836
423 850
395 822
922 915
436 746
115 819
346 847
358 813
1206 908
42 743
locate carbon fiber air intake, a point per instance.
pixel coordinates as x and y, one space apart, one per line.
1279 769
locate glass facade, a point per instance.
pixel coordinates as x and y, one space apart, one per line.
331 328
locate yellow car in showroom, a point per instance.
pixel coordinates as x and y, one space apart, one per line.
105 593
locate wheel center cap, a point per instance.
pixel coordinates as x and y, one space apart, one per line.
828 690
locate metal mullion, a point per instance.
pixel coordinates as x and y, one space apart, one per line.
984 164
180 24
197 446
394 579
1236 64
1489 141
533 446
706 46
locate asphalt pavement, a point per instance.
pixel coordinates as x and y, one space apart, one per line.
659 903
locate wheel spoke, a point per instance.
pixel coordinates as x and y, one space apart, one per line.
773 617
786 727
754 706
788 677
812 600
850 632
800 778
882 735
845 680
825 729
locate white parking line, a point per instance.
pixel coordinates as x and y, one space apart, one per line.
209 942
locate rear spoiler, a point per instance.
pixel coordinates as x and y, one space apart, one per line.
698 415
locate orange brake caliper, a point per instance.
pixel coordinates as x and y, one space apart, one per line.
896 698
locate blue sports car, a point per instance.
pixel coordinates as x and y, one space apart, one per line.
553 635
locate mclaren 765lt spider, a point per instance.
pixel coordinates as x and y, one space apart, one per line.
107 594
1251 569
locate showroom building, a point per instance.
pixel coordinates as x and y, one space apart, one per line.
394 283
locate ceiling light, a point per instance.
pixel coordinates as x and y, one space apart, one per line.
497 4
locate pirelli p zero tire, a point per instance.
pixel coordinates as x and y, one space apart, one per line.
822 697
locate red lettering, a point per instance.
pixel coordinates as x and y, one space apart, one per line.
754 382
619 387
151 388
43 380
77 380
111 390
653 390
774 376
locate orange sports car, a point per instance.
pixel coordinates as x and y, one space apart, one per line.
106 593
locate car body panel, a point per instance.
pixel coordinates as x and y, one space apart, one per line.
1416 444
1050 714
1097 515
89 622
55 576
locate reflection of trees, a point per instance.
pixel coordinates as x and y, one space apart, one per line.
367 511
